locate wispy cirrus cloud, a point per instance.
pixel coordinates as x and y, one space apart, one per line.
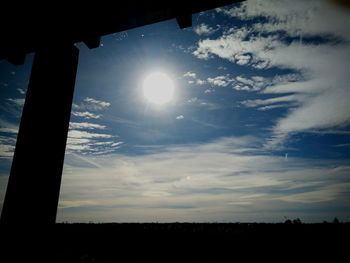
90 104
7 146
282 101
18 102
224 180
298 18
85 125
85 142
203 103
8 133
86 115
285 40
87 137
90 108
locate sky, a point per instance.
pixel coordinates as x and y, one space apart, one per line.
258 129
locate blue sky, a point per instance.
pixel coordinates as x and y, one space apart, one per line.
258 129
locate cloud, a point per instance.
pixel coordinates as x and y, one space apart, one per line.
90 104
192 100
261 102
193 78
255 83
200 82
224 180
86 115
190 74
17 102
7 146
342 145
220 81
85 142
242 59
180 117
271 107
101 103
21 91
9 130
204 30
85 125
285 40
209 91
6 125
8 133
85 134
83 139
203 103
88 146
297 18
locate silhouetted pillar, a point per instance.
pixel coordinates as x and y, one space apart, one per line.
34 184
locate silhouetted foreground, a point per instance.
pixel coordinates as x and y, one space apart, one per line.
176 242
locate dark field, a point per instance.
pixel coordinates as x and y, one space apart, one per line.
175 242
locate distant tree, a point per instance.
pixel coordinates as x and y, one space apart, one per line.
288 221
297 221
335 220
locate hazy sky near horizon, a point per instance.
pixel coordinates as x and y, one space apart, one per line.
257 128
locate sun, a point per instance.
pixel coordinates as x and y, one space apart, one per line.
158 88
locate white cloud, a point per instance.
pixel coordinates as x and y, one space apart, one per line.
8 127
245 80
271 107
200 82
21 91
82 137
220 81
214 181
90 104
100 103
209 91
322 67
86 115
6 150
193 78
297 18
260 102
85 134
203 103
180 117
18 102
190 74
255 83
85 125
7 146
242 59
192 100
8 140
9 130
117 144
90 142
204 29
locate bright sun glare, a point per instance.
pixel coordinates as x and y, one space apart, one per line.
158 88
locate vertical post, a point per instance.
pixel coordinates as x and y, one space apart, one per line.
33 188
